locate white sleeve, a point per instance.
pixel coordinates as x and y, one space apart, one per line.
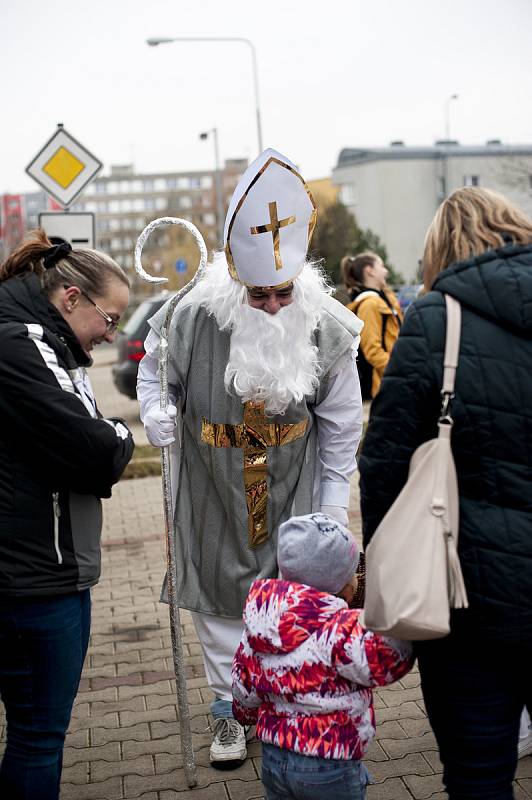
339 420
148 389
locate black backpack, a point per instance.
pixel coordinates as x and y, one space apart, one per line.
365 375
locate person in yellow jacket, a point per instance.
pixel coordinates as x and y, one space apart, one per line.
373 302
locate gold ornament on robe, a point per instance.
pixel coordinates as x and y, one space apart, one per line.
254 436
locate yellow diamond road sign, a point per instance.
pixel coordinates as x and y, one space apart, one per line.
63 167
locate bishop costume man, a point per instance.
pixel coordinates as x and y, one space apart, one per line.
262 373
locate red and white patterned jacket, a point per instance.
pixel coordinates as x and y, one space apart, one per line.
304 669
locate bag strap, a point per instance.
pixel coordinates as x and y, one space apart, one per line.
450 358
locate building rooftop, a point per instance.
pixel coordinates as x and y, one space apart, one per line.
397 150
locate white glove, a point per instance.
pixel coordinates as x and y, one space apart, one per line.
336 512
159 425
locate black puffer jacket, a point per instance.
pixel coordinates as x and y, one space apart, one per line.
492 435
56 459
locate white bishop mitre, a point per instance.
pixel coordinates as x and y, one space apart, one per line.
269 223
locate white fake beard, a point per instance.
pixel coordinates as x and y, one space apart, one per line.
272 358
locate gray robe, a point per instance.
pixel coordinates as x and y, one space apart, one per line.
215 564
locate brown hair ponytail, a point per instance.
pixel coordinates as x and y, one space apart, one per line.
352 268
27 257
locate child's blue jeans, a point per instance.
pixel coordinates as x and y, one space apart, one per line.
291 776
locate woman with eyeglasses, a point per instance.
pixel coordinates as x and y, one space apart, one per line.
58 458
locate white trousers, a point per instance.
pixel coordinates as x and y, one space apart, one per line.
219 638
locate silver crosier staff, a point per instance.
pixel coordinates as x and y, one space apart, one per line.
175 623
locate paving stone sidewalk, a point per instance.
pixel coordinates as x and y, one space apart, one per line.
123 741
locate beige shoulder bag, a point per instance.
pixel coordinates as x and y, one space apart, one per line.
413 574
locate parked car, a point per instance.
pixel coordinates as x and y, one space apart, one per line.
131 344
407 294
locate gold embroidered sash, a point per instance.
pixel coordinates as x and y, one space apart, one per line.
253 436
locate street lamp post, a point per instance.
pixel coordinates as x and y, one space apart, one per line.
445 151
448 115
218 185
248 42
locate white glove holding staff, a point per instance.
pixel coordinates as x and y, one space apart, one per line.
160 424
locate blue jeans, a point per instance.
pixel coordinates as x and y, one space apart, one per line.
474 692
291 776
221 709
43 642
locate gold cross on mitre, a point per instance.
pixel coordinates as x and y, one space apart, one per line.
254 436
274 227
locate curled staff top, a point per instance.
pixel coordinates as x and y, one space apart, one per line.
157 223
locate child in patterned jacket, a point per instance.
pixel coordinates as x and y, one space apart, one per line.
305 666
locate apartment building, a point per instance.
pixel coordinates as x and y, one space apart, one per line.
395 190
125 202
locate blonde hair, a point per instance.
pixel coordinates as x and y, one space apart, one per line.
469 222
89 269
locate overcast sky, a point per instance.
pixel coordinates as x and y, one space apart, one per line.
332 74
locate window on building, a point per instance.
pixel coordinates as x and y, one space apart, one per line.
209 219
471 180
185 202
206 182
101 188
159 184
148 185
195 183
348 194
114 225
161 203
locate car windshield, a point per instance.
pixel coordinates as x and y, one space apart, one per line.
137 317
142 314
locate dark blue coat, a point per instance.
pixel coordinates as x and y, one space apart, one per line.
492 435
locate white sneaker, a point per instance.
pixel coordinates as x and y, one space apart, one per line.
524 748
229 743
